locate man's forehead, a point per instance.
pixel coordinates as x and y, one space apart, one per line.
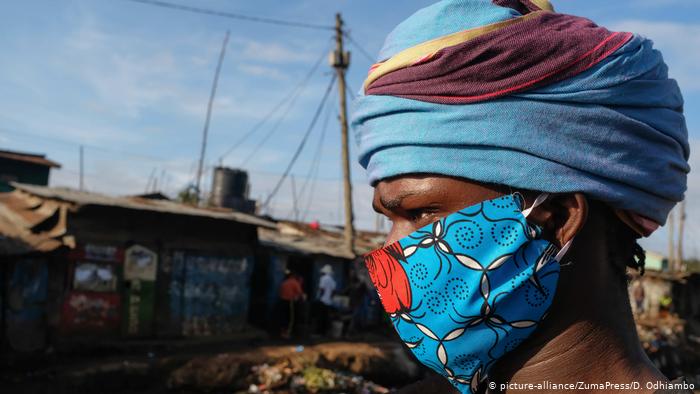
397 186
390 193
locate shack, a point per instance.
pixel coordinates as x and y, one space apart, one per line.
29 168
305 248
83 265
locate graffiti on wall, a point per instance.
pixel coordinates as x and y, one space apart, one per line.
140 267
91 311
209 294
101 252
89 276
26 302
140 263
93 305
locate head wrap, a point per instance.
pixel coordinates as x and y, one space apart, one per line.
512 93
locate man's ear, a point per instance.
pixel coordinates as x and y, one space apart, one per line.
562 216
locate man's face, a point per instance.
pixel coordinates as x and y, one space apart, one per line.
413 201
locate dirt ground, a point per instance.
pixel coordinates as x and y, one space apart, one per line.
217 367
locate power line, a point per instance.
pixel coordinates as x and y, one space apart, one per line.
315 160
359 47
315 166
352 95
272 130
75 143
301 145
231 15
276 108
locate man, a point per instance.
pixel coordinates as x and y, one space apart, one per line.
326 290
519 153
291 292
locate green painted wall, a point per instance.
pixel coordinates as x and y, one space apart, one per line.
139 306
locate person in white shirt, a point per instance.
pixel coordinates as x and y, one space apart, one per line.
326 285
326 290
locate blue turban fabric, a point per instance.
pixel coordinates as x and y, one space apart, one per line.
615 132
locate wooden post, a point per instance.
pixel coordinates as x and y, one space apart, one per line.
340 61
295 206
82 168
200 167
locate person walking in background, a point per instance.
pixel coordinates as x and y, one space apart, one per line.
326 290
638 295
290 293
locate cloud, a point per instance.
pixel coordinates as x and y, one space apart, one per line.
273 52
263 71
680 44
125 75
123 174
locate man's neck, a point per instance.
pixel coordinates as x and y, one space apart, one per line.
593 345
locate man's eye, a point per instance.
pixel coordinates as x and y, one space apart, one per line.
417 214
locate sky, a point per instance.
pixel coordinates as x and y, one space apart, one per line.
129 82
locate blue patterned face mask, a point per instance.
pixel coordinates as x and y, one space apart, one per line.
467 289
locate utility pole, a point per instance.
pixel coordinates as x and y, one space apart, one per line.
294 200
340 60
671 248
681 228
82 168
200 168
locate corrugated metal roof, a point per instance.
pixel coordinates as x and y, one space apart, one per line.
28 158
299 238
21 229
81 198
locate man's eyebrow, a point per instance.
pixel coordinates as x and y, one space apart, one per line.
395 201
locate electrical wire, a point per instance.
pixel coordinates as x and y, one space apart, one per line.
293 94
363 52
302 143
351 94
315 160
73 143
359 47
274 110
272 130
231 15
315 166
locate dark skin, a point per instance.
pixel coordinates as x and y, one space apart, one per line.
589 335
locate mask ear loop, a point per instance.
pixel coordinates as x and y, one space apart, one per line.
538 201
563 251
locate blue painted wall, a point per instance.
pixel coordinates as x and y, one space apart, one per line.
209 295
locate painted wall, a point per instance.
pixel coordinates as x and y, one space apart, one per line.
209 295
277 266
91 313
26 297
140 272
93 302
